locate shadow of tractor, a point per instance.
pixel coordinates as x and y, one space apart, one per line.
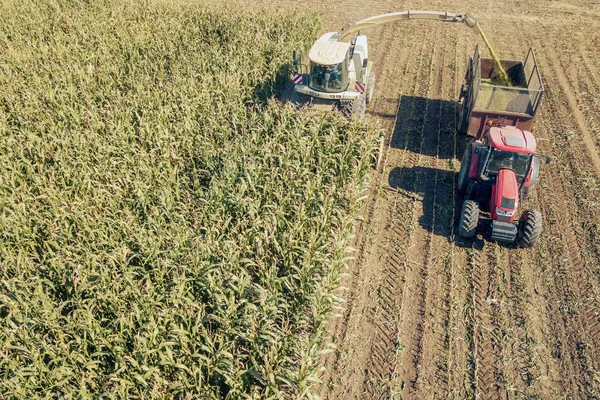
435 189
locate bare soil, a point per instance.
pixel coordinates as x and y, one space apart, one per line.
428 314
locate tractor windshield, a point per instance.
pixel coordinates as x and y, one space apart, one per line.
328 78
505 159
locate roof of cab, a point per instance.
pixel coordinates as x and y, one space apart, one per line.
509 138
328 51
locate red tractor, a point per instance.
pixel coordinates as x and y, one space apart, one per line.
500 170
500 167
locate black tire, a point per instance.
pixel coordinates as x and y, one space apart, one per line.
463 174
530 228
473 191
469 218
370 87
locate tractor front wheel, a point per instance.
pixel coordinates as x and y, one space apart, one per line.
530 228
469 217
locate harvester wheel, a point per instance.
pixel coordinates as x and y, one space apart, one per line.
530 228
469 217
370 87
463 175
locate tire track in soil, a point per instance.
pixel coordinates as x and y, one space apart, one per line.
573 298
431 361
388 341
576 347
555 333
586 135
528 311
516 367
581 77
459 349
412 313
520 370
382 106
486 363
577 236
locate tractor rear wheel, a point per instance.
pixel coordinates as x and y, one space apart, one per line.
530 228
370 87
469 217
463 175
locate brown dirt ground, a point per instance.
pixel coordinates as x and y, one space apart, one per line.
427 314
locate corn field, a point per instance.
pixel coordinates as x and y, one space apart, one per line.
167 229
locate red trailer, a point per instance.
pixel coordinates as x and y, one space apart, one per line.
483 100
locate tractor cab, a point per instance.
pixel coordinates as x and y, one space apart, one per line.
506 148
339 74
499 171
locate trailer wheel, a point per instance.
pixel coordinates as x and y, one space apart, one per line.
463 175
370 87
530 228
469 217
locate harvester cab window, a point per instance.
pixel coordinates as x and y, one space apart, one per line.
328 78
505 159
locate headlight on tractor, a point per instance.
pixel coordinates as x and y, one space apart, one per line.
505 213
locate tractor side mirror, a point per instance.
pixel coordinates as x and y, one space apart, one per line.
365 62
295 57
548 160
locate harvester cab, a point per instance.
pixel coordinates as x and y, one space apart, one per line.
499 171
339 74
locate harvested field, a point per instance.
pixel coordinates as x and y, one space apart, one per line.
431 315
